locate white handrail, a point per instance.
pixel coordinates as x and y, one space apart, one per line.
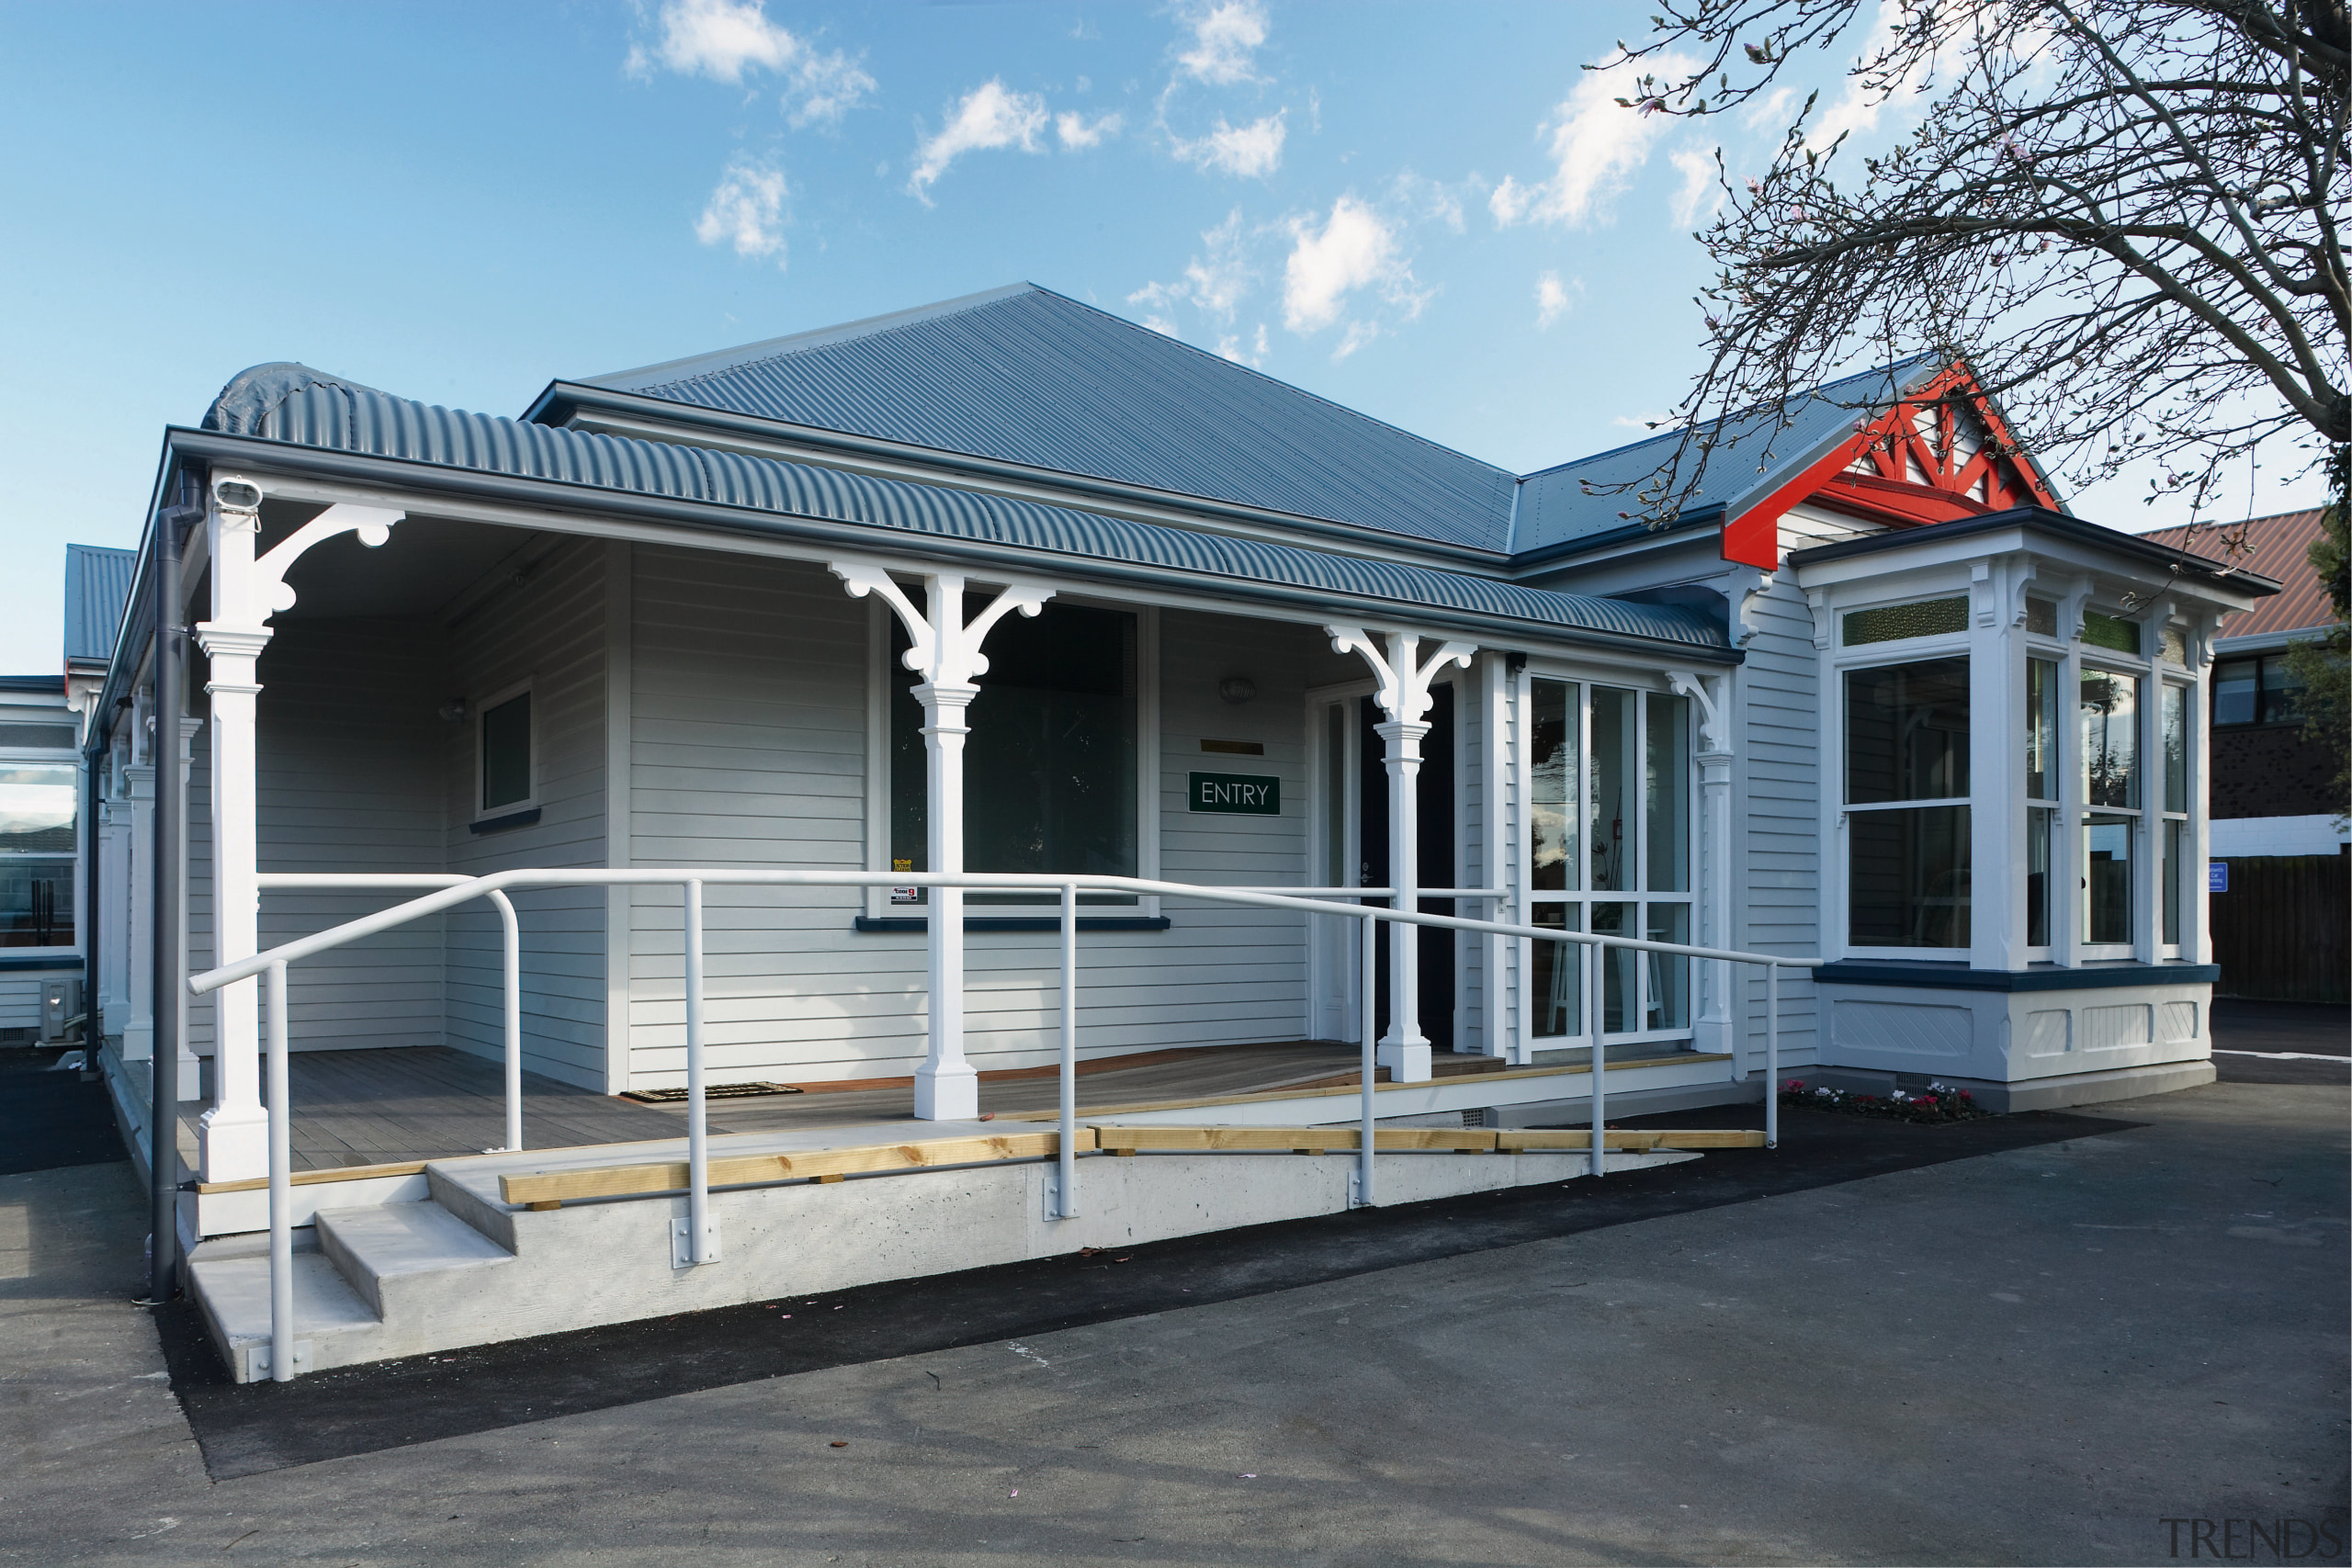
512 967
448 890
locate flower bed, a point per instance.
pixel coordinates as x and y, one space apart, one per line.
1937 1103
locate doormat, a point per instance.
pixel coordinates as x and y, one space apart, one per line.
712 1091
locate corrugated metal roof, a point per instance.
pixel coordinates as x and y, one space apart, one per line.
2278 548
1759 457
97 582
1023 374
293 403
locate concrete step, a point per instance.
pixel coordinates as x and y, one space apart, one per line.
339 1328
393 1254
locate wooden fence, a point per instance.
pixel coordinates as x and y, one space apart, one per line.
2280 932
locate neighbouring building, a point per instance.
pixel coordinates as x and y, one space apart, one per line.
2280 854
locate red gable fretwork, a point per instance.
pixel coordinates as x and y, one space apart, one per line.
1939 455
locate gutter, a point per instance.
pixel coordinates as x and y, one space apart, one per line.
561 497
2054 523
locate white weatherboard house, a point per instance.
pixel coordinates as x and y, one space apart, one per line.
1010 585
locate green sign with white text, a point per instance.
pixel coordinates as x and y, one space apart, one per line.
1238 794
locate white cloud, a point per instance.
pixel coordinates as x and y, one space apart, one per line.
1076 131
1554 298
826 88
715 38
1354 249
1230 347
1213 282
746 210
1700 197
1249 150
1433 198
989 116
723 38
1224 37
1596 144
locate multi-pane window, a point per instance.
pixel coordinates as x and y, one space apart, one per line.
37 833
2043 679
1609 851
1906 804
1050 766
2175 719
2108 712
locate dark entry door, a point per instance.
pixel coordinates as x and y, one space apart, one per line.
1435 797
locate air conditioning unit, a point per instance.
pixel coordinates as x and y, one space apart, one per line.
61 1004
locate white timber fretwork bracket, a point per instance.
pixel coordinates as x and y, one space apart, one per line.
945 649
1403 682
1714 726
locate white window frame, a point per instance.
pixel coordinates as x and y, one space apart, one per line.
1153 793
1580 898
481 713
1869 656
2093 660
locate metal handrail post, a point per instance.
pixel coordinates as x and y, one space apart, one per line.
1068 1206
513 1019
281 1188
1596 987
697 1131
1365 1002
1771 1055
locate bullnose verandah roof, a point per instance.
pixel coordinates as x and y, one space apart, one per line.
295 407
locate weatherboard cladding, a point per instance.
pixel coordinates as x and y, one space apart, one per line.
292 404
1555 508
1028 376
97 582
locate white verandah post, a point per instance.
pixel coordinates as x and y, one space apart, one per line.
946 650
1403 693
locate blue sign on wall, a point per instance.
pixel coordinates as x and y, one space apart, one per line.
1238 794
2217 876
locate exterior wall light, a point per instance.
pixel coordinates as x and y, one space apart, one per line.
1237 689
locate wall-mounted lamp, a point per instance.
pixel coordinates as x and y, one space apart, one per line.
453 710
1237 689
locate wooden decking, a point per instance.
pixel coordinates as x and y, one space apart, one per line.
387 1107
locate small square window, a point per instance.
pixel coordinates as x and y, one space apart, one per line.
2041 617
506 752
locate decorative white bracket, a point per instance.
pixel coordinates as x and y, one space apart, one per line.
1714 728
247 598
1817 600
1403 690
1985 597
2020 584
947 654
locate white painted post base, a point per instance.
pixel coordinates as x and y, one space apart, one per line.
234 1140
1405 1063
948 1091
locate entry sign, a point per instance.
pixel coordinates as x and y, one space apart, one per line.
1238 794
2217 876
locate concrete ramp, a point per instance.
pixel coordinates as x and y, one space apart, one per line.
466 1265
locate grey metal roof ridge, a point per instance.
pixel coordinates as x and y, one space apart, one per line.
2058 522
562 394
714 361
340 463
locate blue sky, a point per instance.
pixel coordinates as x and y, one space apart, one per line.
1429 212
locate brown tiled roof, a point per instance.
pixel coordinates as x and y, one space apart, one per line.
2277 547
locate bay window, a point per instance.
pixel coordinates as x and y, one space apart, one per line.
1610 851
